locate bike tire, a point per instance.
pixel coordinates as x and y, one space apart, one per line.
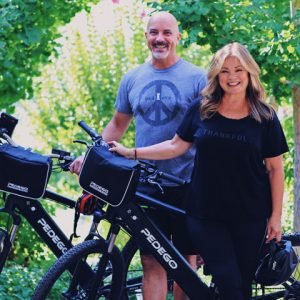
57 278
133 272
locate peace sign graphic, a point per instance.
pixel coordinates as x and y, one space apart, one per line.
159 102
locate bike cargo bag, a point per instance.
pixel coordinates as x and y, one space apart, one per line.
108 176
22 172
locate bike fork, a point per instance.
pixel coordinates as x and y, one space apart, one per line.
72 289
6 244
98 216
98 278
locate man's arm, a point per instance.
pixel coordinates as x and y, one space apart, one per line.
114 130
116 127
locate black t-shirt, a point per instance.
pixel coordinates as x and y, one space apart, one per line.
229 178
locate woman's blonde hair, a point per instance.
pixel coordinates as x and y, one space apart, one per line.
255 93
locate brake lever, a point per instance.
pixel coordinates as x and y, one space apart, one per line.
149 180
81 142
66 164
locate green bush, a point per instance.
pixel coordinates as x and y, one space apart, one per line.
18 282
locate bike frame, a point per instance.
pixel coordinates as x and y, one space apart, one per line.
148 236
40 221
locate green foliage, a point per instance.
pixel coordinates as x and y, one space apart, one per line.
198 55
28 35
28 246
18 282
288 127
81 83
268 30
266 27
287 220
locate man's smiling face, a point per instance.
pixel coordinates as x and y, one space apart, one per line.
162 38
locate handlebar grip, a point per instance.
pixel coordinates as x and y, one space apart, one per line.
172 178
91 132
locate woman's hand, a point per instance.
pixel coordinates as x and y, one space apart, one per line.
274 229
122 150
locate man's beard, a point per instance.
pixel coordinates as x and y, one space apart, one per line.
157 54
160 55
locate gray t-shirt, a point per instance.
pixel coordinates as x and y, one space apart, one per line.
158 100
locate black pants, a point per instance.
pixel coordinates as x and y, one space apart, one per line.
171 225
231 252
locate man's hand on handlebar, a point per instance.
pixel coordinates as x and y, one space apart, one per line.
76 165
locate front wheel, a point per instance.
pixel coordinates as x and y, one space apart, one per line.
83 262
133 273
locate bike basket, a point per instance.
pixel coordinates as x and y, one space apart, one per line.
23 173
108 176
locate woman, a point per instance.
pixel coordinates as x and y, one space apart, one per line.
235 199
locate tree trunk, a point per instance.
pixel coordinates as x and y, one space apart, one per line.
296 108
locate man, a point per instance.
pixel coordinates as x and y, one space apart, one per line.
157 93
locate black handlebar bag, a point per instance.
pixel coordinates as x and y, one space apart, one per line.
108 176
22 172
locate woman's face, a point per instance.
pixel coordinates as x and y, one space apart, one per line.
233 77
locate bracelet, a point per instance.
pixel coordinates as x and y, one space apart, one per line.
135 155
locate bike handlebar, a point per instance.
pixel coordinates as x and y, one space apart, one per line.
91 132
171 178
64 158
64 161
154 174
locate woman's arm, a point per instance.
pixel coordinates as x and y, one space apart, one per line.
274 166
164 150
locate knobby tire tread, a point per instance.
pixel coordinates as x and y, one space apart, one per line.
74 254
128 252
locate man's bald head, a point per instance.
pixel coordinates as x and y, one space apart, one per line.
162 39
165 16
